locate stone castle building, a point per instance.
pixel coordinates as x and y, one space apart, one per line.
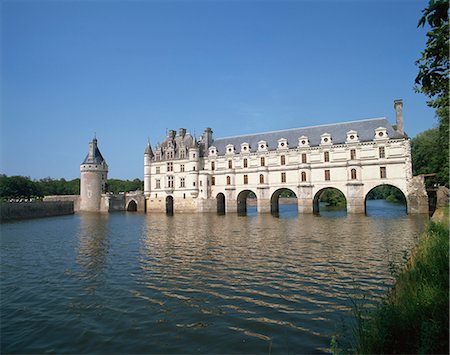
183 174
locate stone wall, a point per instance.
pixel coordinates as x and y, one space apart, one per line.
25 210
65 198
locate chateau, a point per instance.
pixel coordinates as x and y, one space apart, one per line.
186 174
183 174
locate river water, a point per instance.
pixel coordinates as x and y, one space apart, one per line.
194 283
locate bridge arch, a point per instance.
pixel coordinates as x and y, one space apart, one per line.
242 201
388 192
169 205
275 199
220 198
132 206
335 197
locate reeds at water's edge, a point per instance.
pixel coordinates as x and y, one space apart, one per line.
414 317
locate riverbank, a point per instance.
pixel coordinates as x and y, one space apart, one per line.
414 318
10 211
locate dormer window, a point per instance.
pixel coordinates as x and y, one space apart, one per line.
262 146
245 148
381 133
283 143
230 149
212 151
325 139
303 141
352 137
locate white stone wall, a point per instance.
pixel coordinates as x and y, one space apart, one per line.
200 194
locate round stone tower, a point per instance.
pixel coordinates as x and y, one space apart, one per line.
94 174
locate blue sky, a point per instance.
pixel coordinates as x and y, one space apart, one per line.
129 70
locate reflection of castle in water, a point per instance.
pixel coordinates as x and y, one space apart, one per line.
93 243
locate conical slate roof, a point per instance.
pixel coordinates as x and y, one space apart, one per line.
94 156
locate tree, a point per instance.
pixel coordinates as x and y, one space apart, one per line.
432 79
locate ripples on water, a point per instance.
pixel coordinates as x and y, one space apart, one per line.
193 283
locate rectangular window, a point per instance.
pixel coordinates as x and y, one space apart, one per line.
381 152
182 182
182 168
283 177
245 163
230 164
303 158
158 184
182 154
283 160
169 166
228 180
213 180
383 172
158 170
213 165
263 161
326 156
352 154
245 179
170 182
327 175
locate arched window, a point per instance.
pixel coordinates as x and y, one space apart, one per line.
353 174
303 176
245 163
228 180
261 179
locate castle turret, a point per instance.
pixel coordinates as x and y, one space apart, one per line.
148 156
94 174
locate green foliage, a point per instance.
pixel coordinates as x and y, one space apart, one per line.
116 185
432 80
16 187
386 192
415 316
428 157
333 197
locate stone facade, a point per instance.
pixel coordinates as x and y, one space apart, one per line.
186 174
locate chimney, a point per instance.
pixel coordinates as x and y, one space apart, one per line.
398 106
207 137
172 134
182 132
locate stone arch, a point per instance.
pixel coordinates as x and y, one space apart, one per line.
242 201
316 199
274 200
169 205
399 195
220 198
132 206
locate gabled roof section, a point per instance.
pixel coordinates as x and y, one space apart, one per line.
338 131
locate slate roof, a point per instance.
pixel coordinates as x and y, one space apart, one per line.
97 159
364 128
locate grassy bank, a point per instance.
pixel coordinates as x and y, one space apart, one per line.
414 318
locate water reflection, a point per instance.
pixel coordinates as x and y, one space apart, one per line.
193 283
93 243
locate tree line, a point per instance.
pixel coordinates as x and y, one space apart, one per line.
22 187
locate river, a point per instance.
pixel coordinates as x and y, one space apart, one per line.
195 283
